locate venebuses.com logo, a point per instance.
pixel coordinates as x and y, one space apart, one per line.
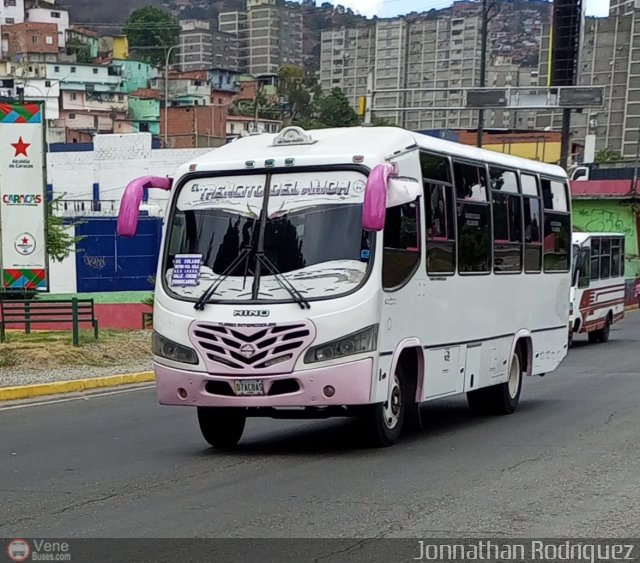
38 550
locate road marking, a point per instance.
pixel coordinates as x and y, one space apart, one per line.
81 398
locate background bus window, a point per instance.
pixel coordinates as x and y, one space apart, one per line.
584 263
440 229
615 257
605 258
557 242
595 258
435 167
401 245
471 181
474 238
507 233
532 235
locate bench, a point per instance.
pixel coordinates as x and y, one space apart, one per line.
27 313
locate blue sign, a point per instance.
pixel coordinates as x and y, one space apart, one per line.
186 270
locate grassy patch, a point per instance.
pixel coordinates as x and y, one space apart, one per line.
47 350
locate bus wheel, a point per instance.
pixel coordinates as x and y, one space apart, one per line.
603 333
499 399
221 427
382 422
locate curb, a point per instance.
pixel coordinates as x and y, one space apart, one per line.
73 386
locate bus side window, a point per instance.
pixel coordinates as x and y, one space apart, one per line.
615 257
401 245
507 221
595 259
532 223
605 258
585 267
557 226
441 239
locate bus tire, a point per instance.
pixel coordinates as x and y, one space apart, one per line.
221 428
602 334
499 399
383 422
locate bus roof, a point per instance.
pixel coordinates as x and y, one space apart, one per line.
581 238
340 145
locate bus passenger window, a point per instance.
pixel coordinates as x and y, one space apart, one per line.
615 257
435 167
557 241
440 229
595 259
585 267
401 245
474 237
532 235
507 233
471 181
605 258
554 195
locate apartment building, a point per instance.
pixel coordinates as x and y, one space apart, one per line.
269 35
30 42
196 45
411 54
610 57
623 7
11 12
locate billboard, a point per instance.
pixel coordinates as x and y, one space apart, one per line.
23 256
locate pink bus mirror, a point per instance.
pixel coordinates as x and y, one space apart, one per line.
375 197
131 200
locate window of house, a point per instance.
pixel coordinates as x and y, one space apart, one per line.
10 21
95 71
401 245
55 15
35 39
56 69
73 95
72 116
10 3
73 69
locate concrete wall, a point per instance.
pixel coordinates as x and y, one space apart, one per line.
114 162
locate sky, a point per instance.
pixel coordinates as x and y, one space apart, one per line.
390 8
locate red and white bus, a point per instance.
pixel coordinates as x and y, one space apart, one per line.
598 287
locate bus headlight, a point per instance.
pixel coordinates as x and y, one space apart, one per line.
168 349
365 340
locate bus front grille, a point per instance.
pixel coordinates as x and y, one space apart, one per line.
251 349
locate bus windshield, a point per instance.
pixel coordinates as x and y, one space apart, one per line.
312 236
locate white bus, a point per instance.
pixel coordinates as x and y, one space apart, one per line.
355 272
598 286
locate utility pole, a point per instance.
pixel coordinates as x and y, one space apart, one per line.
166 94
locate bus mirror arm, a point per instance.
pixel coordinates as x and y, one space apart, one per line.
385 189
131 200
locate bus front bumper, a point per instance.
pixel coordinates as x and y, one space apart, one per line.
344 384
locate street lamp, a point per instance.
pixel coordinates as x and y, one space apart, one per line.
166 93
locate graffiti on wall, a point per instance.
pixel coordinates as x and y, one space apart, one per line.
605 221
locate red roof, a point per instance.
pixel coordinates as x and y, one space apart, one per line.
601 188
146 94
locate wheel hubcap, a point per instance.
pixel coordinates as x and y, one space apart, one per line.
514 377
393 406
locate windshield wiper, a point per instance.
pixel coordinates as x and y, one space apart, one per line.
202 301
284 282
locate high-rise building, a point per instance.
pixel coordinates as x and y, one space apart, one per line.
623 7
196 45
269 35
610 57
442 55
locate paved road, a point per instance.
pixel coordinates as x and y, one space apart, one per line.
567 463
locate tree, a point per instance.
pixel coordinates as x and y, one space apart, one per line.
60 243
151 31
607 155
81 49
335 110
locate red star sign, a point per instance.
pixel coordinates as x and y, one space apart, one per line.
25 240
21 147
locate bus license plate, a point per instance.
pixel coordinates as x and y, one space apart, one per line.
249 387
